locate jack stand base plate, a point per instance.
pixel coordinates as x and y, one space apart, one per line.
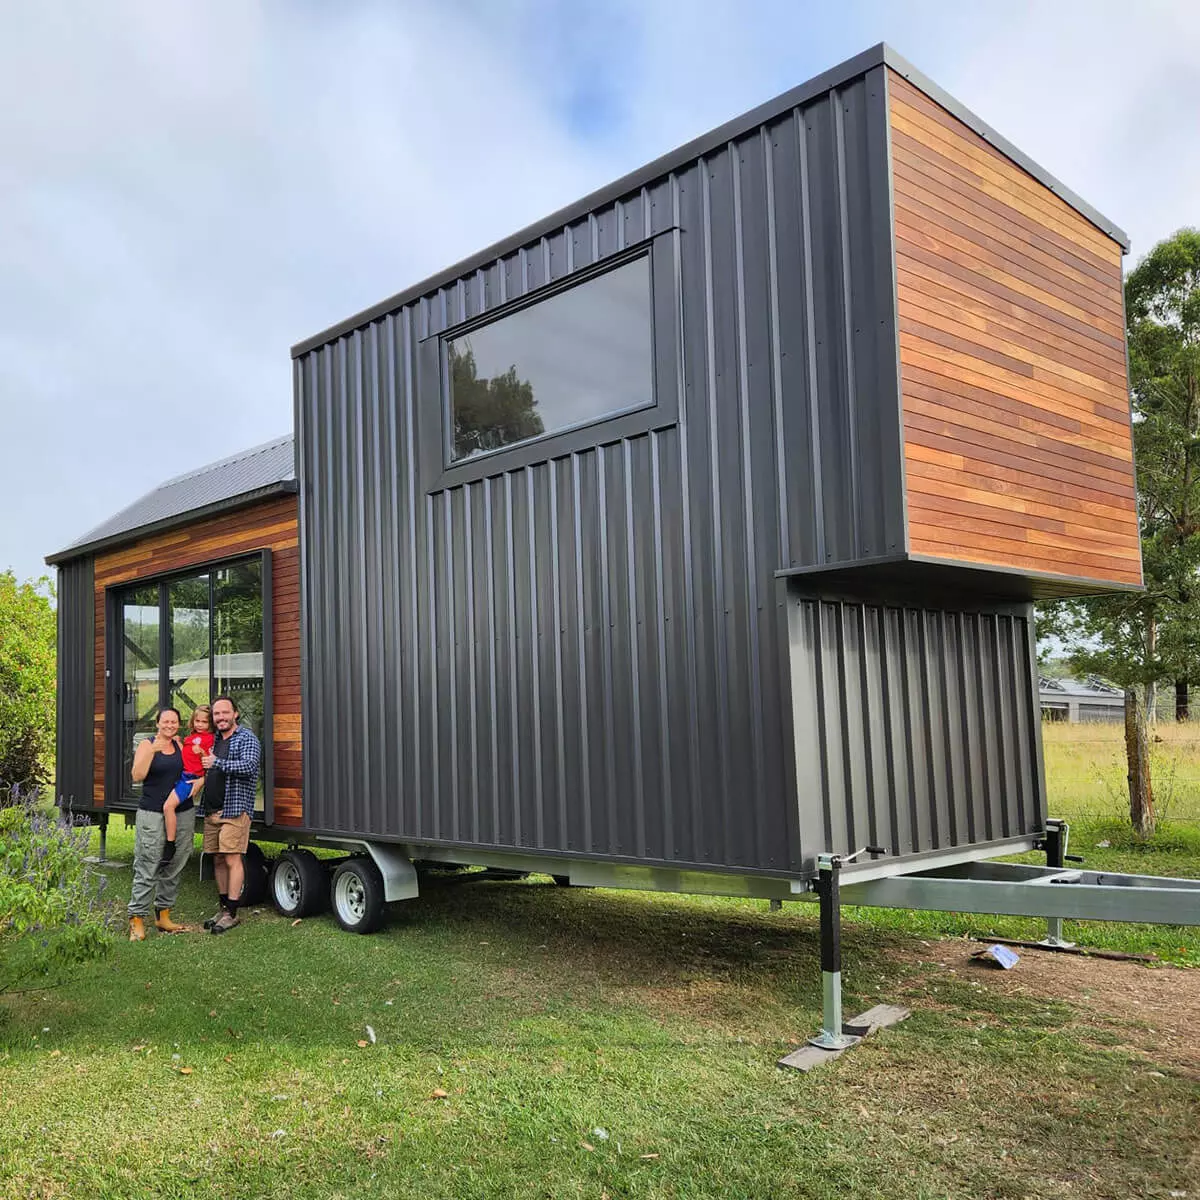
816 1052
835 1041
1056 944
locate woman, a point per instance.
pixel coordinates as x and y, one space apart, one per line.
157 766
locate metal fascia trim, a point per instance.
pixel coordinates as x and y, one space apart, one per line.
903 67
852 68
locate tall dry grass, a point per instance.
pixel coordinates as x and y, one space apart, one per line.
1085 770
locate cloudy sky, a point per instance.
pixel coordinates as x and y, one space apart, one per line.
188 188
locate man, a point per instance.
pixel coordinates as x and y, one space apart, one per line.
231 777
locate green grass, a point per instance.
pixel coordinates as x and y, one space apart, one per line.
227 1067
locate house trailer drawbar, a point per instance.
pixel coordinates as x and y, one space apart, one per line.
686 539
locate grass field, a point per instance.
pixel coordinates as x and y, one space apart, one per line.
518 1039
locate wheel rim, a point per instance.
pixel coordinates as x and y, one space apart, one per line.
287 885
351 897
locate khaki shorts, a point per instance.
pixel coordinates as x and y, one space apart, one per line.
226 835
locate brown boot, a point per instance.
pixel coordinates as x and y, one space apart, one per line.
163 922
137 929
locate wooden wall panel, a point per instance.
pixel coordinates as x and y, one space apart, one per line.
270 525
1018 447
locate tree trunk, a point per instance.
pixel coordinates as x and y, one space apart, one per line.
1151 653
1137 751
1181 700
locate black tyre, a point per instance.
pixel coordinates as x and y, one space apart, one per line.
299 887
255 890
356 896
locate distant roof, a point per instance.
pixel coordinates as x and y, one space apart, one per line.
1092 687
260 471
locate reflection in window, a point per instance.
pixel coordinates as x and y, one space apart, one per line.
139 619
238 639
576 357
187 602
238 643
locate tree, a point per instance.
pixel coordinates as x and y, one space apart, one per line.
489 412
1136 640
28 635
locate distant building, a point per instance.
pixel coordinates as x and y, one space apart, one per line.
1080 700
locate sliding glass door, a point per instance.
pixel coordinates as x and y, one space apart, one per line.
185 639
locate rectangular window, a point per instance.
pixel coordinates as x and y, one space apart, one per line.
579 356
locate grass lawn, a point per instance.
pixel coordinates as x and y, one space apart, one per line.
539 1041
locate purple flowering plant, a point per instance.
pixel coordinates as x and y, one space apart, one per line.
53 911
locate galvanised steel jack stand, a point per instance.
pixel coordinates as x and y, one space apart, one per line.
1058 833
832 1036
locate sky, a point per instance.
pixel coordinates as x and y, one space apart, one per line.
189 187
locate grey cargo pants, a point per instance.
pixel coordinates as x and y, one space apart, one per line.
149 836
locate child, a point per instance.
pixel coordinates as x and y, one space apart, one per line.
197 742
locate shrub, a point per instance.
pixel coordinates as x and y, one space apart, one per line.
53 914
27 680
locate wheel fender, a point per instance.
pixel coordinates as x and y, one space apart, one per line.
395 867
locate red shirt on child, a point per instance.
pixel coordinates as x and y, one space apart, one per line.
195 745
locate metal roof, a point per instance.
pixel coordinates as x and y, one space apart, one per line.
852 68
1091 688
259 471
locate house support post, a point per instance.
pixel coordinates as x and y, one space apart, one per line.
832 1036
1057 834
103 838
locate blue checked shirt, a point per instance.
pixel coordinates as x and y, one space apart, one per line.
240 768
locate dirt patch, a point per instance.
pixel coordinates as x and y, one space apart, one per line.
1154 1011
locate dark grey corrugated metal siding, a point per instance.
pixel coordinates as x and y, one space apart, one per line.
587 655
916 728
76 683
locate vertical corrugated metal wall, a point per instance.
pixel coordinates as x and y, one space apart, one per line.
588 654
76 683
917 727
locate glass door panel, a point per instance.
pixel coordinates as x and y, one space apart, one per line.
237 641
140 675
189 626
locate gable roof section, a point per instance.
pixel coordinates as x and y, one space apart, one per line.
249 475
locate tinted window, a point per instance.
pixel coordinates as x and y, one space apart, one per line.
574 358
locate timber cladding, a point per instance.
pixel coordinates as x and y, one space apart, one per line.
1017 438
271 525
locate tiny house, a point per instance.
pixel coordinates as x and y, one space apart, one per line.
676 540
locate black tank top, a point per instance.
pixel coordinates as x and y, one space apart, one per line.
164 773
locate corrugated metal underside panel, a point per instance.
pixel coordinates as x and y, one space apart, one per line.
916 728
585 655
76 682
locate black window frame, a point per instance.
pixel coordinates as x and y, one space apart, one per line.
115 783
435 414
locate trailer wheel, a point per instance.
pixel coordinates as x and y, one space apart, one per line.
357 896
257 872
298 884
